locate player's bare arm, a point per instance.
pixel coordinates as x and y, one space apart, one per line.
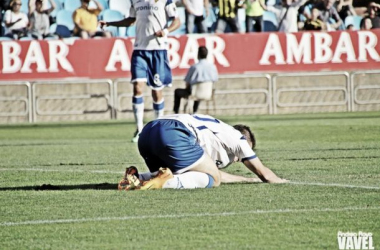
264 173
122 23
230 178
173 26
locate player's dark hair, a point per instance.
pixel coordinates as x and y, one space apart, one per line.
202 52
246 131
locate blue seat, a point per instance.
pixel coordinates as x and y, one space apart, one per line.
5 38
122 6
211 18
111 16
104 4
58 7
270 21
25 6
53 28
62 31
65 18
241 19
182 17
354 20
131 31
72 5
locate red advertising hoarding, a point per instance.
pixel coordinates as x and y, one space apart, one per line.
232 53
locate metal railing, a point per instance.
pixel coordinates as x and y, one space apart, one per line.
37 98
355 88
25 99
347 93
278 91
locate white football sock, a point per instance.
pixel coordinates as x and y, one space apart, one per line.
159 108
138 111
190 180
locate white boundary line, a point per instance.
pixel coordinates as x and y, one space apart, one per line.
333 185
177 216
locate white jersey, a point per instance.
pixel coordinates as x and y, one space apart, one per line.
219 140
151 16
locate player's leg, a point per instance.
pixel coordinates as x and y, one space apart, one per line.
168 143
138 108
139 67
204 174
158 103
159 76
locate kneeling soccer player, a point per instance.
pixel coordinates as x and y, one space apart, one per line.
188 151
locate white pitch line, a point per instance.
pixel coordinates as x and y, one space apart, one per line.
62 170
333 185
177 216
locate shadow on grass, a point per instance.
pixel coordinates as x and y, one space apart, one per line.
49 187
100 186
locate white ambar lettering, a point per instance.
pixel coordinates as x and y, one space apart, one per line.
301 52
118 55
11 60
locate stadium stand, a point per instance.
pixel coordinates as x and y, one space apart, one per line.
64 18
211 19
58 7
71 5
354 20
182 29
270 21
241 18
25 6
120 5
111 16
104 4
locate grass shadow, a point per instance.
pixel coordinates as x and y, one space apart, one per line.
49 187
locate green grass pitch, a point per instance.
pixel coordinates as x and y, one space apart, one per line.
58 189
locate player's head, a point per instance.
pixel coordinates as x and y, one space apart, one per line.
202 52
246 131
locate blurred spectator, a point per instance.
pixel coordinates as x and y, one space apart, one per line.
203 71
4 5
16 21
345 8
254 15
373 13
86 21
227 16
287 14
39 20
314 23
350 27
329 14
195 10
366 24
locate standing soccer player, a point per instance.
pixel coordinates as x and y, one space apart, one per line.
150 62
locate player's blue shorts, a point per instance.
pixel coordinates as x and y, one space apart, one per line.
152 67
170 144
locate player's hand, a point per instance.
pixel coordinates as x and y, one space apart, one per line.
161 33
103 24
